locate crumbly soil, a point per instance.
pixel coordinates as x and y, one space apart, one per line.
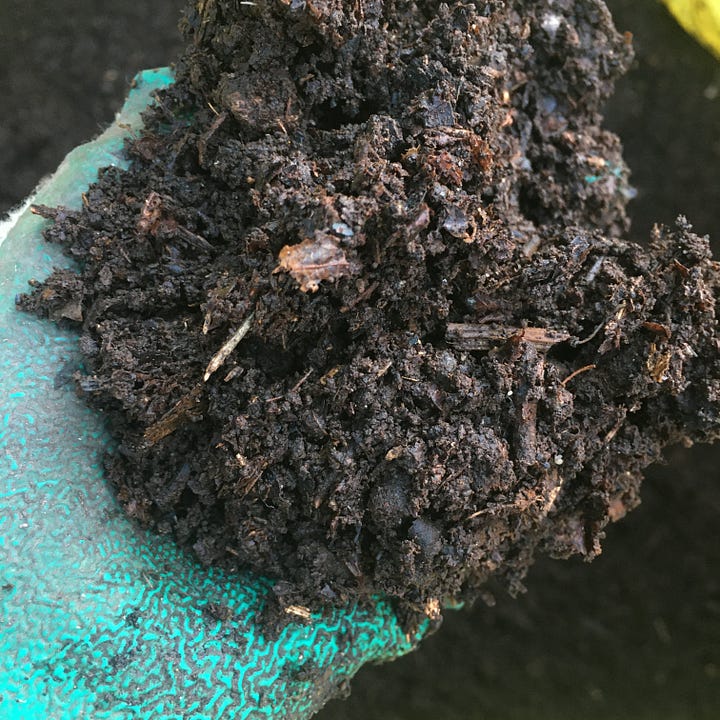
360 313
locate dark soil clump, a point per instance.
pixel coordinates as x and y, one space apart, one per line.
360 313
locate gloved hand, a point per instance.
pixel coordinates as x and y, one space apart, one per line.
99 618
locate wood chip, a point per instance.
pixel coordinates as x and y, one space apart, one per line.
658 329
175 417
470 336
658 363
433 609
298 611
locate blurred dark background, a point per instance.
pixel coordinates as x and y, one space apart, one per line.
634 635
65 66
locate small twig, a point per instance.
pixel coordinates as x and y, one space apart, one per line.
577 372
359 298
297 385
205 137
224 352
591 335
232 374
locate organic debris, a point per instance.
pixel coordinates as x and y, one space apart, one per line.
312 261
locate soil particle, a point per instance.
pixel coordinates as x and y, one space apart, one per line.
360 313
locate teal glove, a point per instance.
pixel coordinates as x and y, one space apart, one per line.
99 618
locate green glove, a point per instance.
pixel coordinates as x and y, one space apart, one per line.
99 618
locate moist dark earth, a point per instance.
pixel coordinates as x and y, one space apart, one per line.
450 359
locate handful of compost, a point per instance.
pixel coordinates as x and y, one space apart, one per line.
359 311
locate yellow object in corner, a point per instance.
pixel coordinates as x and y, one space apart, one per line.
701 18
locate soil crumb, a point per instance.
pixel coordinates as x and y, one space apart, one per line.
360 313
